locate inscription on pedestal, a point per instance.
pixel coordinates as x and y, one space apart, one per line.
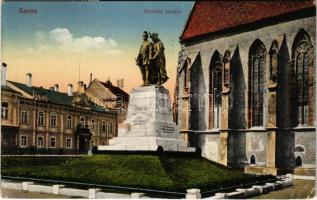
168 129
150 123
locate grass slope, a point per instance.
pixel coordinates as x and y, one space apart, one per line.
144 171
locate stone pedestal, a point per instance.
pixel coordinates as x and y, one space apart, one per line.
149 123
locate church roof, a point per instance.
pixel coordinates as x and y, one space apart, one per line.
213 16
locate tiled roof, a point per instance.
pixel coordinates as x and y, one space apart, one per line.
116 90
54 97
213 16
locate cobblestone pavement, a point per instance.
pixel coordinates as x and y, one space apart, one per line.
301 189
9 193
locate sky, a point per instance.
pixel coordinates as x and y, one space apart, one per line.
63 42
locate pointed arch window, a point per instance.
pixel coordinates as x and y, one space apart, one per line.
226 69
215 88
273 61
256 82
186 74
301 54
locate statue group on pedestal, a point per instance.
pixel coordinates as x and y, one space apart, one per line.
151 60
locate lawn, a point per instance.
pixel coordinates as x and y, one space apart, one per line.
144 171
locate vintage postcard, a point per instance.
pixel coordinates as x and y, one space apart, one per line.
158 99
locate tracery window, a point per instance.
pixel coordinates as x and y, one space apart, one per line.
273 61
301 49
215 88
226 69
186 75
256 82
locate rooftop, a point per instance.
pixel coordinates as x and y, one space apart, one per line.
116 90
213 16
54 97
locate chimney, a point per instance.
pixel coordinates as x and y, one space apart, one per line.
90 78
70 90
4 74
81 87
56 87
29 79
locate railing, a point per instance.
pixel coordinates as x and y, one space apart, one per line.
149 192
109 188
232 188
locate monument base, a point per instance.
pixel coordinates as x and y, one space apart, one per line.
146 143
149 124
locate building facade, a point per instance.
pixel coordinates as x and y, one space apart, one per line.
46 119
245 90
109 97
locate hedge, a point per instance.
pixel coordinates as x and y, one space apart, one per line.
143 171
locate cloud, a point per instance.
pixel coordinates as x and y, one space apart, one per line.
63 39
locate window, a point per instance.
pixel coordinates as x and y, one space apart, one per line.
41 118
69 122
256 82
69 143
301 49
185 68
24 116
226 69
103 126
53 142
273 61
215 88
92 124
23 141
4 110
82 122
299 148
40 141
53 119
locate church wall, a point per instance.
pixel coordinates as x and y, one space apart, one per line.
256 146
210 146
243 144
308 141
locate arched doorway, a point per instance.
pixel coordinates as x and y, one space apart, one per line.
298 161
252 160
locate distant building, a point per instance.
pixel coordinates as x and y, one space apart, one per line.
47 119
109 97
245 90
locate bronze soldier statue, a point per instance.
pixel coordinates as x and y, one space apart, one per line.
143 59
158 59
